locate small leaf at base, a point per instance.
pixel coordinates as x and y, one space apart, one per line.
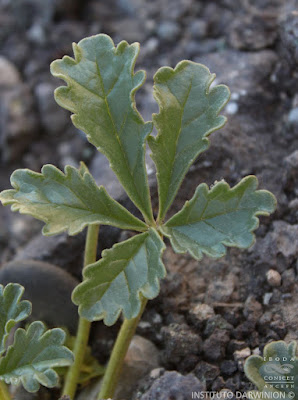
33 355
12 310
276 373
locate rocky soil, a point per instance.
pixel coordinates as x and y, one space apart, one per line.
210 315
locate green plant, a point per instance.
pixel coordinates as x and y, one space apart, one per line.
276 373
101 86
90 367
35 352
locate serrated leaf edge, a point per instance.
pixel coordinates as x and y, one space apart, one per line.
205 139
77 58
17 207
45 332
104 314
252 362
163 228
12 322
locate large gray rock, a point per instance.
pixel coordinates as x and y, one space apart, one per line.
173 386
48 288
182 346
65 251
141 358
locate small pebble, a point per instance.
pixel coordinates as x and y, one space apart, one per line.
232 108
156 373
201 313
256 351
168 31
242 354
9 75
267 298
198 28
273 278
293 116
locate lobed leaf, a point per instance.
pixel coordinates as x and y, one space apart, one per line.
68 201
12 310
33 355
278 364
188 114
115 283
219 217
100 93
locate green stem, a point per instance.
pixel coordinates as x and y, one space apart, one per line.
4 393
119 351
72 376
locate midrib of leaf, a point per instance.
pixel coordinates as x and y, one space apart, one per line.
126 261
111 118
201 218
161 214
33 339
218 230
32 365
114 127
221 231
89 212
64 184
84 208
197 117
199 139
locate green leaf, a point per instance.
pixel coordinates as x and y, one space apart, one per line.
33 355
278 364
69 201
188 114
12 310
219 217
115 283
100 92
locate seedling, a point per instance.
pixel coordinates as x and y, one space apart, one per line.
100 91
35 351
276 373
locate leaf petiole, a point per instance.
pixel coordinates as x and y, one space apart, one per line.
4 393
119 351
81 342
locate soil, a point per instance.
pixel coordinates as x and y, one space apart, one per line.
212 314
